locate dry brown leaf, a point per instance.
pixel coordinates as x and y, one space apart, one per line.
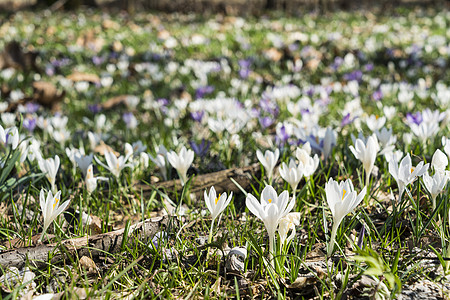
102 148
78 76
115 102
109 24
89 40
273 54
215 288
316 254
14 57
117 46
46 94
88 264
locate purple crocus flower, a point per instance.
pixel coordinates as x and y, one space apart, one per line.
58 63
203 91
200 149
305 111
197 115
29 124
94 108
282 136
127 117
338 61
368 67
49 70
293 47
244 65
414 118
269 106
355 75
244 73
98 60
163 101
32 107
377 95
266 121
346 120
310 92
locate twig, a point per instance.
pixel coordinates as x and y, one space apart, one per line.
92 246
221 180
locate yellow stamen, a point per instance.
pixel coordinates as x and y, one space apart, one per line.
377 116
412 170
56 201
217 199
343 194
117 165
270 200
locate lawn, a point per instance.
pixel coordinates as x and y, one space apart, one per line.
206 156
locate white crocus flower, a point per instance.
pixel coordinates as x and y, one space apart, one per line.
342 200
23 148
2 135
292 174
287 223
72 153
83 161
216 204
138 148
51 208
397 155
268 160
446 145
329 141
386 140
308 164
366 153
435 185
439 162
375 122
34 150
404 173
181 162
389 112
50 167
424 131
270 210
91 181
160 161
114 164
12 137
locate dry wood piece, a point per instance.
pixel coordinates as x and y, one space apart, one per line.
92 246
221 181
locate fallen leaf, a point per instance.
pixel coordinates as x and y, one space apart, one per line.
46 94
88 264
102 148
77 76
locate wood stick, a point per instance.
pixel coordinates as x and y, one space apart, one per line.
91 246
220 180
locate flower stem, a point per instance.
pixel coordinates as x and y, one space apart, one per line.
330 246
294 189
367 179
210 232
271 249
